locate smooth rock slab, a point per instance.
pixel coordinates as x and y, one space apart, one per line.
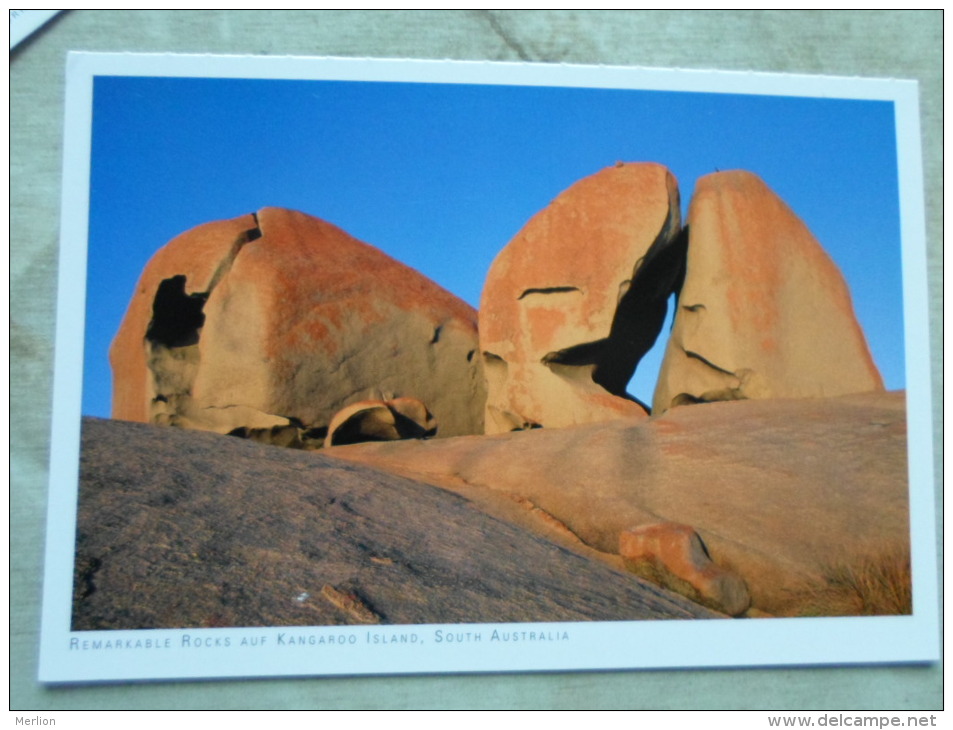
187 529
782 491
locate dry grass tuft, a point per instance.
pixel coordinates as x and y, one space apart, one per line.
874 585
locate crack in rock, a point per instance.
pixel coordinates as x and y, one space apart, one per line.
551 290
709 363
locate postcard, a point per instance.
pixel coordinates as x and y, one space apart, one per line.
374 367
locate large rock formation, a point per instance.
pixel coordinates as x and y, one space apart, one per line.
577 297
180 530
268 324
792 495
763 312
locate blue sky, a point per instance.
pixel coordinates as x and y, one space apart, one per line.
443 176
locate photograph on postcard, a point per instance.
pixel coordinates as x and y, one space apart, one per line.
469 370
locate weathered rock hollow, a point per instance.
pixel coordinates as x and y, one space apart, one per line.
267 324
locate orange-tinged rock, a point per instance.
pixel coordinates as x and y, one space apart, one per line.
281 319
577 297
675 557
763 312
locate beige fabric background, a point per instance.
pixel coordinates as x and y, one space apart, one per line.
900 44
